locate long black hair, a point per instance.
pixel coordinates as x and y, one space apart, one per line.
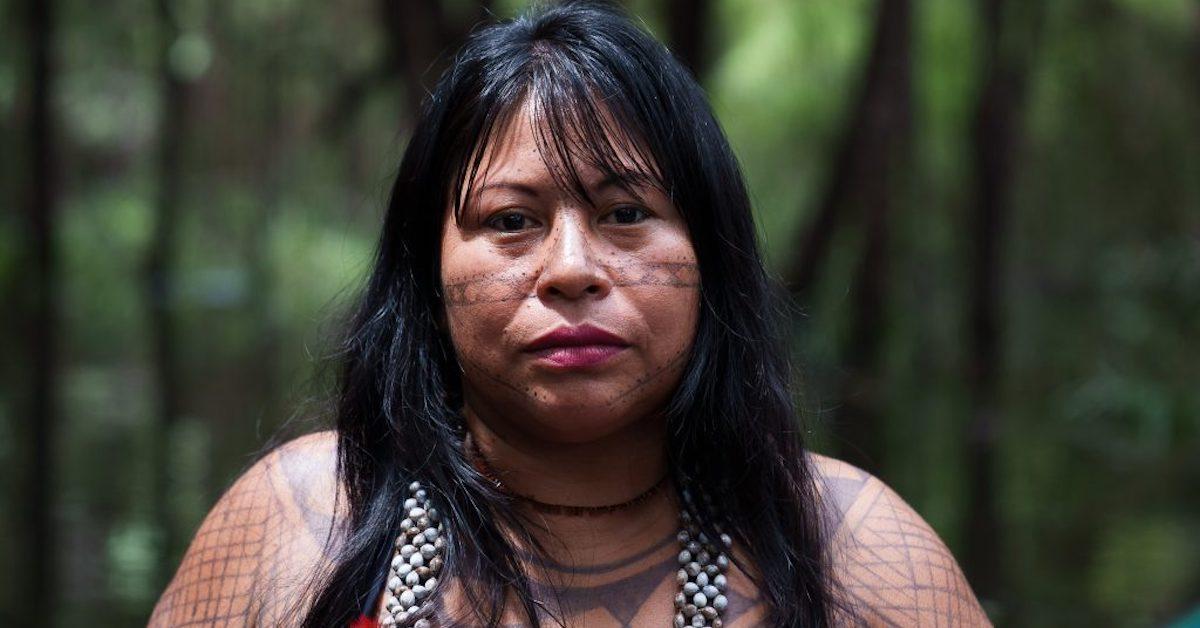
598 83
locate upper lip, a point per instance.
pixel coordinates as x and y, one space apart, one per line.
576 337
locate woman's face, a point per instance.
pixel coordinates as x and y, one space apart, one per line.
616 282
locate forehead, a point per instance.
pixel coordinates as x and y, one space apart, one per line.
513 150
570 153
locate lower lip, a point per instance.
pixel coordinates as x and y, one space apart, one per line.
577 357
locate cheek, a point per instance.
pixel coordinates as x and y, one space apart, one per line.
664 294
670 317
666 291
481 309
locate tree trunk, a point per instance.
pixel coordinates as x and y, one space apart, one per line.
419 37
159 283
417 33
868 180
258 255
42 322
859 417
1196 45
876 129
688 24
995 138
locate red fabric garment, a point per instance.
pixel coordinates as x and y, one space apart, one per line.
364 622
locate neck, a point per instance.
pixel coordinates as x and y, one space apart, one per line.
608 471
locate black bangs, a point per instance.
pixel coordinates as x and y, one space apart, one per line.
584 116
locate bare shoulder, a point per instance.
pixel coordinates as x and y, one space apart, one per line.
891 564
261 543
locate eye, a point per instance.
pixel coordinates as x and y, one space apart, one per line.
510 221
628 214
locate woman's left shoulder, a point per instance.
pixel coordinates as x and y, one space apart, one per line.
891 564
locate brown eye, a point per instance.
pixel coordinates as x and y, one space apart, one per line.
509 221
628 215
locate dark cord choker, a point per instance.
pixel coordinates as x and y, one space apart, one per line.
488 472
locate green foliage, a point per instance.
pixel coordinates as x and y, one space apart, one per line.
1143 566
787 73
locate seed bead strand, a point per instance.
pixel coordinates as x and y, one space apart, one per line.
702 577
420 555
417 563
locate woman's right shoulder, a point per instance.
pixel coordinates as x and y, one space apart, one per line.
262 543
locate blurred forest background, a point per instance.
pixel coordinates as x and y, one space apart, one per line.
988 210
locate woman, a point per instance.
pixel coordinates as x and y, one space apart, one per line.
563 397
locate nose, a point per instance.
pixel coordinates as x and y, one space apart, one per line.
570 269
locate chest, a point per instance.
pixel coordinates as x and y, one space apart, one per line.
639 591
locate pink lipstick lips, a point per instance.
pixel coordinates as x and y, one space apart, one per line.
576 347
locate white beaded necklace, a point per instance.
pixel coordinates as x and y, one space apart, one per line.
418 559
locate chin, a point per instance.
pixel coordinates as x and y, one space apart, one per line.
579 420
